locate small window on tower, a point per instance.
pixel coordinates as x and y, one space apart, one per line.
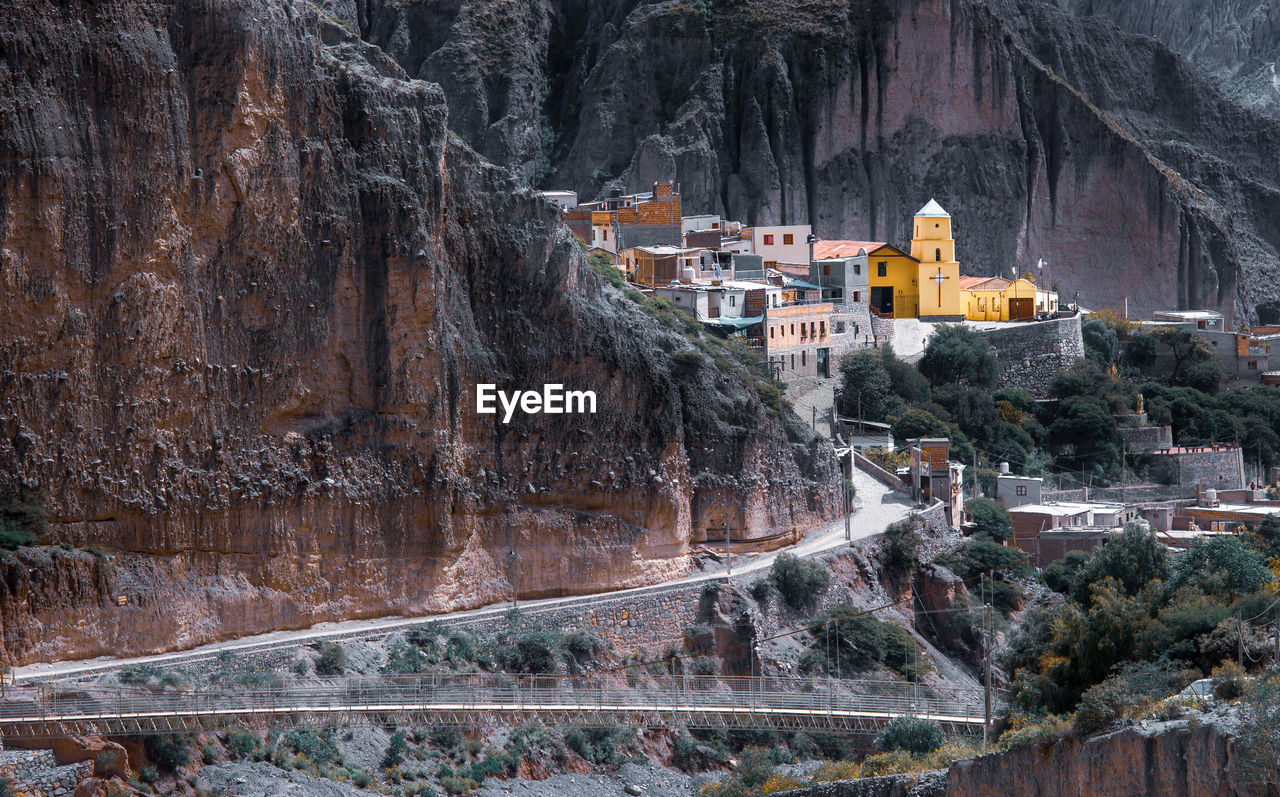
606 235
768 240
937 255
881 268
788 239
1022 489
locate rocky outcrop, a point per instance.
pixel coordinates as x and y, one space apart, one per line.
1192 759
1235 42
1047 136
250 282
1180 757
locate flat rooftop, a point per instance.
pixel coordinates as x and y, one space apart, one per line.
1067 508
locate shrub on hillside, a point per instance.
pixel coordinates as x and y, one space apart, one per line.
916 736
900 551
332 661
800 582
1104 703
168 751
240 744
990 519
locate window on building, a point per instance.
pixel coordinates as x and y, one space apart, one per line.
822 327
733 301
793 362
768 240
715 225
937 255
857 268
857 296
839 327
826 271
1253 365
1022 489
882 268
606 234
802 359
770 333
793 329
788 239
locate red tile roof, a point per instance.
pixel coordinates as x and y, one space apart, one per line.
824 250
984 283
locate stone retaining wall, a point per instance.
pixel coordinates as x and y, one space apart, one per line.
1030 354
36 772
1134 493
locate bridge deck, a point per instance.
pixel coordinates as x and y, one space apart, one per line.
701 702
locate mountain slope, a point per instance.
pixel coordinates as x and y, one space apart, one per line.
250 284
1045 135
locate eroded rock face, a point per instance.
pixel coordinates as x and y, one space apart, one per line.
1150 758
1236 42
1047 136
250 282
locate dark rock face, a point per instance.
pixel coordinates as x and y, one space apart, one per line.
250 282
1047 136
1235 42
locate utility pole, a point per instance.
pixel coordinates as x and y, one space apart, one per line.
728 554
1240 643
986 678
515 574
848 499
1124 471
975 473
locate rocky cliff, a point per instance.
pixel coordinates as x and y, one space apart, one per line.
1235 42
1195 759
1046 135
250 282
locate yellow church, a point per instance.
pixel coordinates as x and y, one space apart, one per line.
926 283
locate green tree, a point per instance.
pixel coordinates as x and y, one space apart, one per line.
1060 574
990 519
1222 565
913 735
396 750
902 543
1100 341
1134 558
799 581
865 387
332 661
1084 435
918 423
906 382
958 354
1139 351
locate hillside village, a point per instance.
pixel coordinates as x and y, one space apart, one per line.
806 302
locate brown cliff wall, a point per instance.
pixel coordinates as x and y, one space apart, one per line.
1045 135
250 282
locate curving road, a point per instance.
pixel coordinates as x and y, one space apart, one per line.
878 507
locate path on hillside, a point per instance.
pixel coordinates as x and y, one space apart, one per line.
878 507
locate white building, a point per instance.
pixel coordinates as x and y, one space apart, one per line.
1015 491
706 221
787 244
567 200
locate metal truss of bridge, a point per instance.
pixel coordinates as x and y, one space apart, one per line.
691 701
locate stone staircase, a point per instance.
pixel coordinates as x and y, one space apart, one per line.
36 773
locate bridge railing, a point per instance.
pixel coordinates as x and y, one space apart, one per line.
530 693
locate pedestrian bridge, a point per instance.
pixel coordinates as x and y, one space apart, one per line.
588 701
